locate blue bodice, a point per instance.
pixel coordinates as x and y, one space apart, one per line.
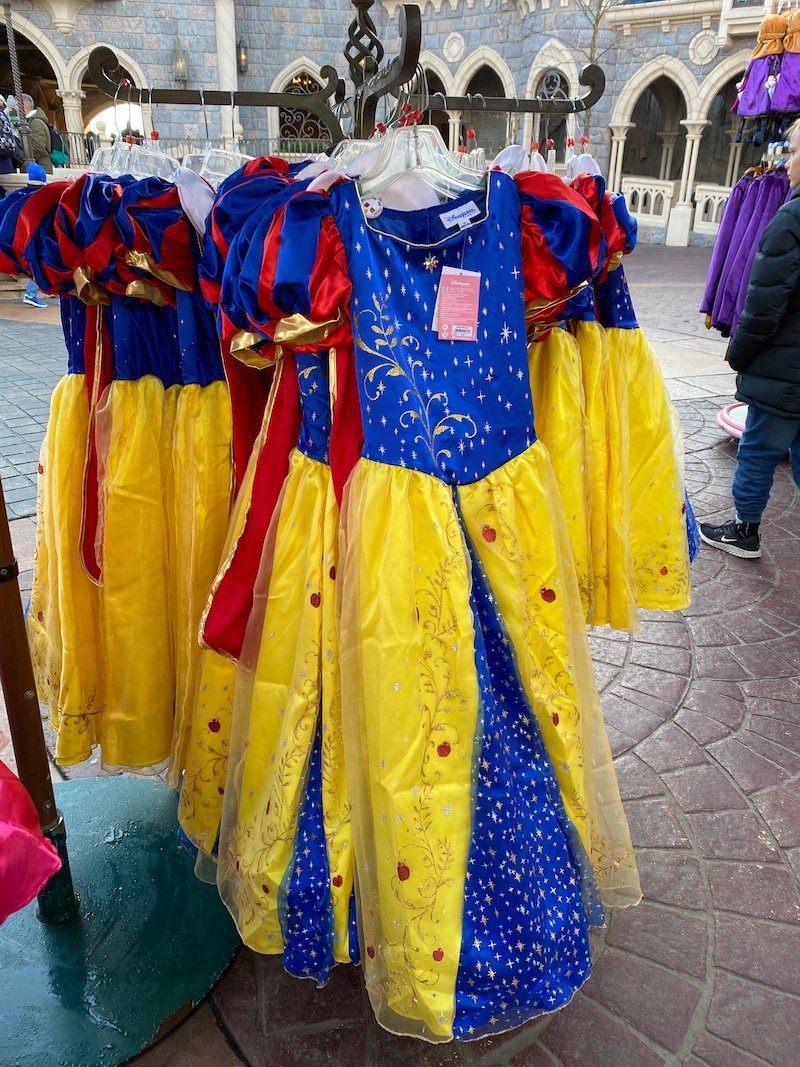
456 409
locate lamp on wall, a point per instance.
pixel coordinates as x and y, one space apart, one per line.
180 62
242 57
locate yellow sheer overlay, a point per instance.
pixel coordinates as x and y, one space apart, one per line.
288 660
513 518
63 616
206 757
559 415
410 708
200 508
135 425
658 541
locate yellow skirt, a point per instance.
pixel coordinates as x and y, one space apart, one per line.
135 542
412 709
62 623
559 412
286 707
201 506
654 477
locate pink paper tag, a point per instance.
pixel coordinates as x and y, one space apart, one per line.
456 312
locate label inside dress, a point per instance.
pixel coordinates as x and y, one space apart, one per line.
460 216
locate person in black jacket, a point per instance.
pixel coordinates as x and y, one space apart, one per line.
765 351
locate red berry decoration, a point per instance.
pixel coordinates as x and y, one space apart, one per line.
443 750
403 873
548 595
40 616
371 952
332 573
221 790
265 888
471 133
40 468
489 534
214 726
337 880
665 570
316 600
683 509
438 954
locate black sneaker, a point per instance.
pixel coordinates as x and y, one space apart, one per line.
738 538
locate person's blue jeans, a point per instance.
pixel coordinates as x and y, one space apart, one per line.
765 441
31 289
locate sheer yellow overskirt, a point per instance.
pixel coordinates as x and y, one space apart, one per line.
135 426
63 616
410 707
207 747
514 519
286 689
201 505
655 476
559 412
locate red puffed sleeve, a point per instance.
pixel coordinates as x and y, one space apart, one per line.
562 242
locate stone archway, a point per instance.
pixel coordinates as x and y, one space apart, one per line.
552 55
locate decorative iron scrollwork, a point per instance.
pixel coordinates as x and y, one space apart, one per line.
363 51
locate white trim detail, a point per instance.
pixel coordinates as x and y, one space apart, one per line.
436 65
483 56
553 53
719 76
45 46
661 66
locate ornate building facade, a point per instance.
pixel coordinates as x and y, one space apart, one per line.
662 131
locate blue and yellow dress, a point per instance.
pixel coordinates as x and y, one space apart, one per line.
486 820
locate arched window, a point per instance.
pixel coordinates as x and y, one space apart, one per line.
552 85
302 131
490 128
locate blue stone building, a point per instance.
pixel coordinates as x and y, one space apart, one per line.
662 132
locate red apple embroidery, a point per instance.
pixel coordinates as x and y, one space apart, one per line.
438 954
316 600
214 726
665 570
548 595
40 468
40 616
371 952
403 873
332 573
489 534
337 880
554 717
443 750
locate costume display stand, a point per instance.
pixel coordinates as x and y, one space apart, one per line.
96 976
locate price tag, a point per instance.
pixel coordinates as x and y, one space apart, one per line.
455 316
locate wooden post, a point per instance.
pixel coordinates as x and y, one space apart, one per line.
57 901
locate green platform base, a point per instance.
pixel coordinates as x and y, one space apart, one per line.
149 943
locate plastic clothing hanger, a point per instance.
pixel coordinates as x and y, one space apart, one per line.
419 150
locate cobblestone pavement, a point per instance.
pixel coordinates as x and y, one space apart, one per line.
703 712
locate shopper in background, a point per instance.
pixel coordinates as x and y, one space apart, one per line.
40 133
36 177
8 142
765 350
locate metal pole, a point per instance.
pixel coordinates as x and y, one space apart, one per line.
24 128
57 901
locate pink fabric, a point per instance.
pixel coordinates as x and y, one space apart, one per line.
27 859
